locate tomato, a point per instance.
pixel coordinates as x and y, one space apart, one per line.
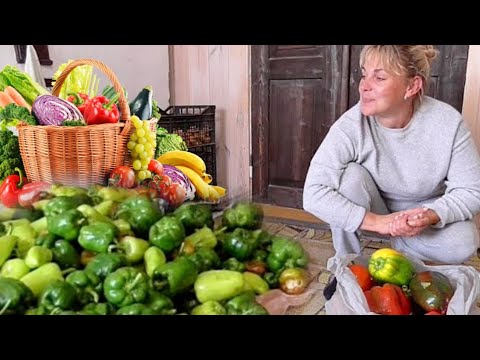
174 194
122 176
155 167
364 278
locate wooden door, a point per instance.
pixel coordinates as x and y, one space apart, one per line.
299 91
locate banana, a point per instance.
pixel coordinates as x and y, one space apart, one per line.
184 158
206 177
202 188
214 195
220 190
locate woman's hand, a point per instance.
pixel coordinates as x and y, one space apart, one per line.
402 223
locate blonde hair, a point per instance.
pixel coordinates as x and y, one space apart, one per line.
403 60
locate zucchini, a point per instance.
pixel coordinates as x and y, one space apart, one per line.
109 92
141 106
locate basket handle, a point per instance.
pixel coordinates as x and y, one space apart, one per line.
122 101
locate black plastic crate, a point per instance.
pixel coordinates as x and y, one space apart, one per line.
208 154
196 125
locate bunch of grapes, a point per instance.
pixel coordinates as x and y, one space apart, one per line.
142 147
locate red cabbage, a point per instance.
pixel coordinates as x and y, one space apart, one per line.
179 177
51 110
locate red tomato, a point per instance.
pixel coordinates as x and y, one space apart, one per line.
155 167
122 176
363 276
173 194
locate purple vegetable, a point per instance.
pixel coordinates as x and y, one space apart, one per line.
179 177
51 110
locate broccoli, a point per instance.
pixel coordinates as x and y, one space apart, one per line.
168 142
13 114
10 157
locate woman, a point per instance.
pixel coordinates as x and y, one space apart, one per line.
398 163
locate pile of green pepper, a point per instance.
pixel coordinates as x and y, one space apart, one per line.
106 251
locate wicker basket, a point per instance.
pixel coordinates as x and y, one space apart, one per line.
79 155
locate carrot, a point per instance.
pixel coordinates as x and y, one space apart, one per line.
5 99
17 97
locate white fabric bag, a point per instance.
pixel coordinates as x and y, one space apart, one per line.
348 298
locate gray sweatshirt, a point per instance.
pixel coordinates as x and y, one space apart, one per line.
432 161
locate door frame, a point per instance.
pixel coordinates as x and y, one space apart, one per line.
259 57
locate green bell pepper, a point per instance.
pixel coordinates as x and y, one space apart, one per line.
38 279
92 215
153 258
240 243
141 213
134 248
233 264
272 279
107 193
87 285
7 244
65 255
67 191
136 309
255 282
46 240
14 268
244 215
218 285
15 297
97 237
390 266
205 259
201 238
286 253
194 216
126 286
37 256
160 303
98 309
167 234
66 225
40 225
245 304
209 308
57 296
104 264
60 204
107 207
124 228
26 234
175 276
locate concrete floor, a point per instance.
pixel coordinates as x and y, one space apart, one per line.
317 241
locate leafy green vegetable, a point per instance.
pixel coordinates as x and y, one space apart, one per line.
13 114
78 81
74 123
168 142
9 154
23 83
3 82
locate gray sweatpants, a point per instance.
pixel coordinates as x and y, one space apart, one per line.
453 244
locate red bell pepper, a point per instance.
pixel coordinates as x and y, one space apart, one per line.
32 192
80 100
100 110
10 189
388 299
